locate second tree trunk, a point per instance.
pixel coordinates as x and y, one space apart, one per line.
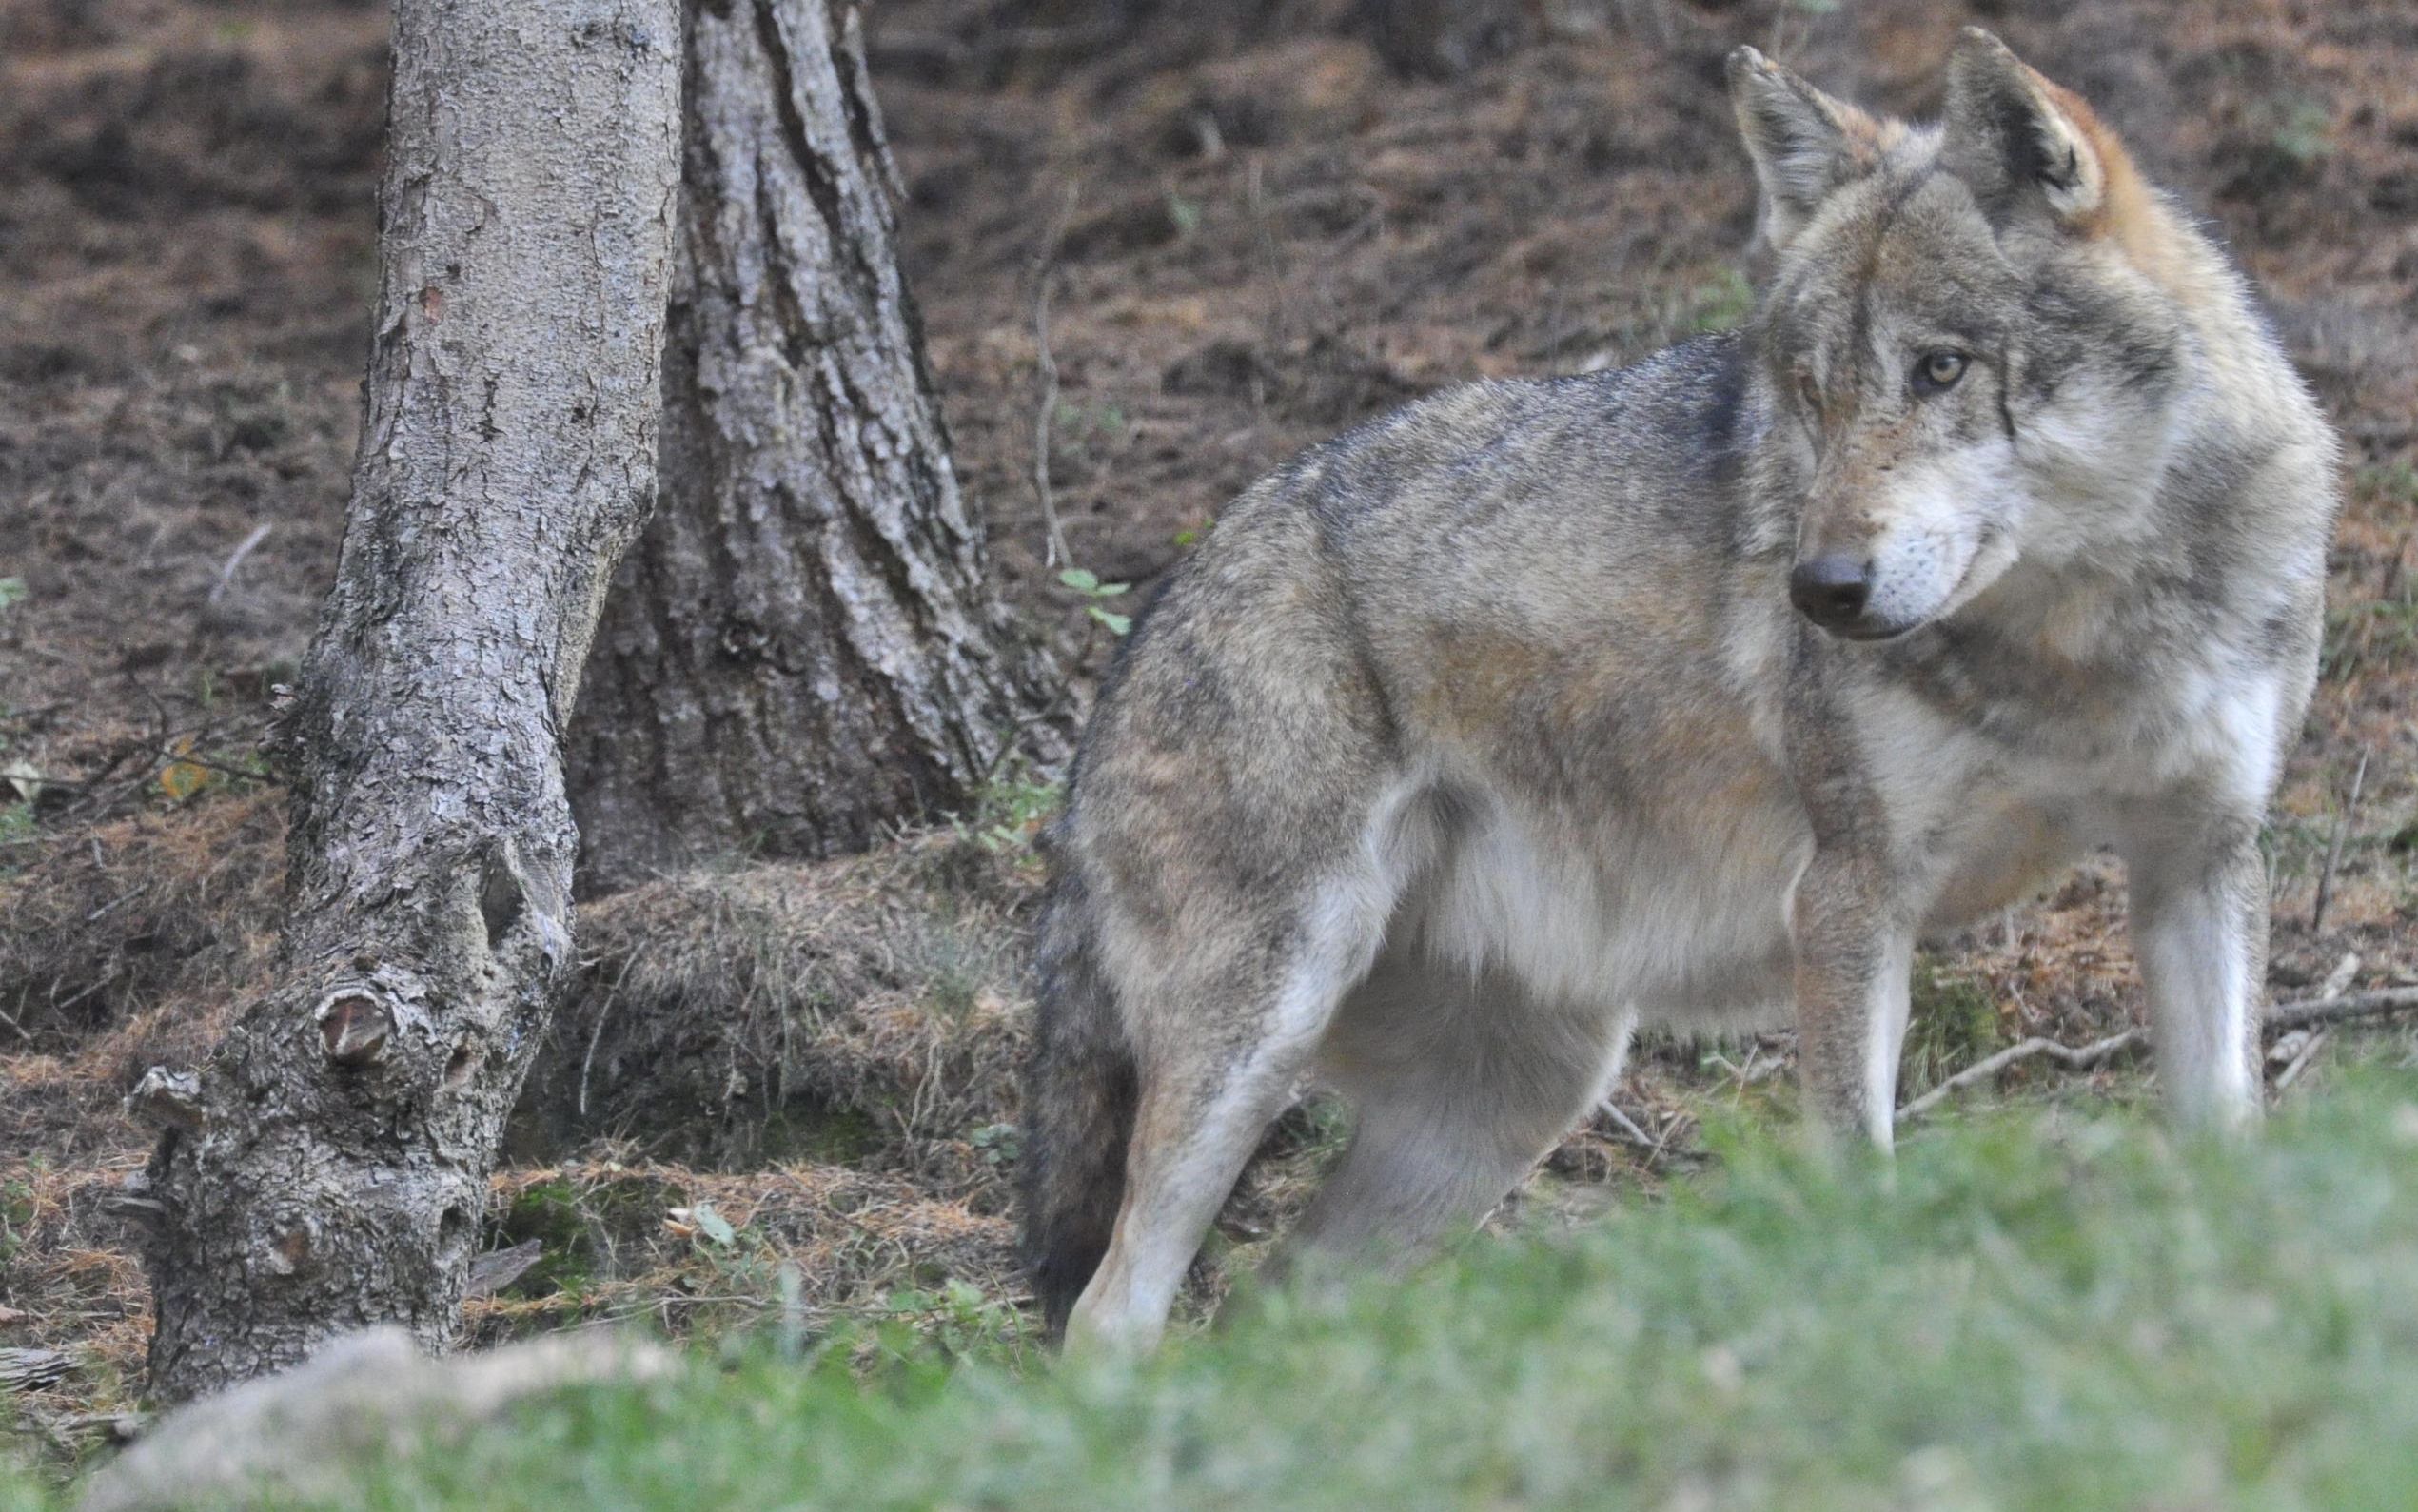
802 649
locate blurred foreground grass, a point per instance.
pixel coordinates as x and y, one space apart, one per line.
2029 1312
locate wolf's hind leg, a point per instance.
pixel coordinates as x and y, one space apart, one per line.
1238 1030
1462 1085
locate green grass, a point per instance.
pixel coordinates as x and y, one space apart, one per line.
2027 1312
1952 1023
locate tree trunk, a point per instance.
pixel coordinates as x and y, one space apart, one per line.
802 649
327 1169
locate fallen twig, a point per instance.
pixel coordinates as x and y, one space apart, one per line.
2334 852
107 977
227 574
2300 1062
1044 270
2297 1049
2351 1005
116 903
913 52
2072 1058
2338 980
120 1426
1626 1124
2327 1009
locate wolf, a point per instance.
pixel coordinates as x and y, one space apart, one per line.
1696 695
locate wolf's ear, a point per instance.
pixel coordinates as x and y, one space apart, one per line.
1804 142
2021 143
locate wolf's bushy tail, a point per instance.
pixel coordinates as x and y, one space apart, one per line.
1080 1095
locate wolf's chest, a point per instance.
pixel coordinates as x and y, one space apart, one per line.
2002 848
1986 810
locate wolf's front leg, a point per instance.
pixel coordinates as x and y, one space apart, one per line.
1854 953
2199 929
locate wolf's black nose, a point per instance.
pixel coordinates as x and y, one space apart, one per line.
1831 591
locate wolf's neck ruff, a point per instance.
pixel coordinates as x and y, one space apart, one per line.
1693 694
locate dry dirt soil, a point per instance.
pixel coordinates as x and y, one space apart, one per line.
1253 231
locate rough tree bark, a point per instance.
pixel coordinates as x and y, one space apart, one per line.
327 1168
803 647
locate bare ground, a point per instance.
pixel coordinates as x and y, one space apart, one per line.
1253 235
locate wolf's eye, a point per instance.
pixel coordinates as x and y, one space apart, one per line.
1937 372
1809 392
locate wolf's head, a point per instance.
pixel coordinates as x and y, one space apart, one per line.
1972 335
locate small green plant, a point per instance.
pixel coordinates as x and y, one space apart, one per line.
959 1317
2303 130
2369 633
1087 582
711 1227
12 592
746 1266
1722 303
1000 1143
1953 1022
1077 430
2393 483
1009 811
16 1216
1186 214
2292 846
20 785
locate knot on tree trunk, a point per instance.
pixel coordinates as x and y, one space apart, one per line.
292 1240
168 1099
354 1026
132 1201
519 893
367 1015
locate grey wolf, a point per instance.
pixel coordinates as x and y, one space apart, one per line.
1695 694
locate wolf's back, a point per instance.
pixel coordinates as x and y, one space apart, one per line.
1284 675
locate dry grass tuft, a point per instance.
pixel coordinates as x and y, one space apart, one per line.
181 900
870 1008
69 1280
124 947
